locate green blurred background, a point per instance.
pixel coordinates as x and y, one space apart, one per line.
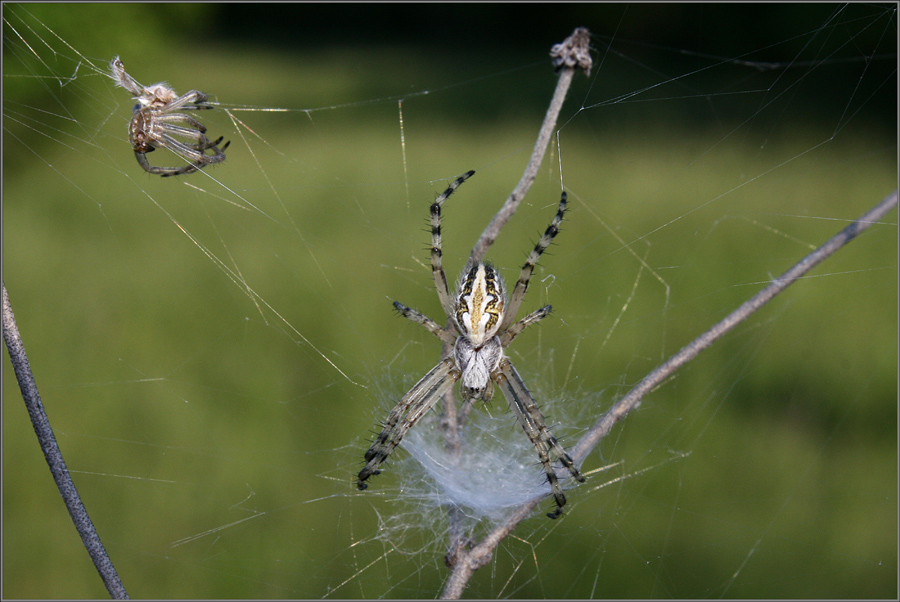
214 438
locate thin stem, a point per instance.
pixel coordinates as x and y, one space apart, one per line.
480 554
571 54
693 349
468 561
52 453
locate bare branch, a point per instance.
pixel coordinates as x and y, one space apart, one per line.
468 561
572 54
52 453
633 398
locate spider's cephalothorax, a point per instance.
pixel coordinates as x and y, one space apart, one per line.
155 122
485 322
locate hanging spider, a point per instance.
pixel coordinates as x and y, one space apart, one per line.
156 120
479 311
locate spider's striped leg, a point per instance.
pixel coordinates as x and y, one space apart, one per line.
413 406
185 150
517 382
172 171
437 269
141 156
218 153
535 316
190 153
535 426
165 172
419 318
195 153
167 125
189 101
518 293
192 134
167 119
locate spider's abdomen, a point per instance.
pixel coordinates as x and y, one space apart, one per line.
138 130
479 303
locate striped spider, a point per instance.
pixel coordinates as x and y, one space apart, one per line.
479 311
155 121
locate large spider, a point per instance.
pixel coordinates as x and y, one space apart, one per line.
479 312
155 121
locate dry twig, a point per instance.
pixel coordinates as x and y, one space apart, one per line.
470 560
54 457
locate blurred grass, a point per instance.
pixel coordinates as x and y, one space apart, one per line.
183 410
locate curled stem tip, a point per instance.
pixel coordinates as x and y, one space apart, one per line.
574 52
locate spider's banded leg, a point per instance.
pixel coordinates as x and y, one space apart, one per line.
167 172
517 405
413 406
437 269
172 118
141 157
217 142
175 171
218 155
535 413
191 167
178 171
521 287
189 101
178 147
425 321
514 330
180 130
533 423
195 154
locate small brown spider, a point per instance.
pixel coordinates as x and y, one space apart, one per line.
155 122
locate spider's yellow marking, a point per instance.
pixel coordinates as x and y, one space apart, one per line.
479 304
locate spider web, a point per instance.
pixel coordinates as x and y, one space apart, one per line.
215 350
